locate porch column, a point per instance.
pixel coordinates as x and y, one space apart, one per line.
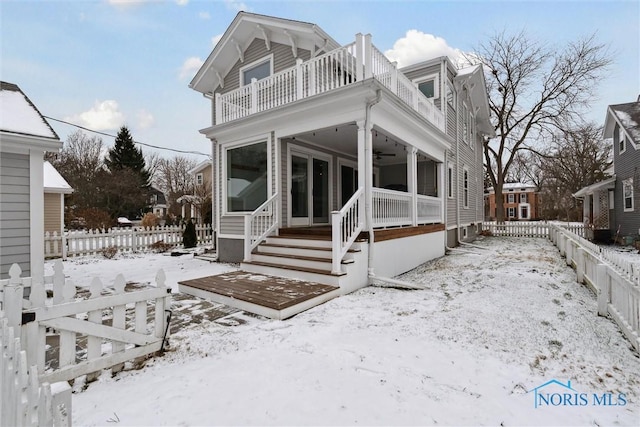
442 190
586 209
412 182
361 163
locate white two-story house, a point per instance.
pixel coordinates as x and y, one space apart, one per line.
330 163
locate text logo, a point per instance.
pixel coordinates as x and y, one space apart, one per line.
555 393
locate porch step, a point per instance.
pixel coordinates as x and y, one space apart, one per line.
300 250
296 260
293 272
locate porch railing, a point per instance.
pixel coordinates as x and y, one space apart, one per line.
347 223
259 224
429 209
394 208
337 68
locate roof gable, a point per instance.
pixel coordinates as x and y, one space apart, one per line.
18 115
53 181
472 79
243 30
628 117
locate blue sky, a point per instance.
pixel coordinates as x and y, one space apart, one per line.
104 63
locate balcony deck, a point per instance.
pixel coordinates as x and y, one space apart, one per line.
335 69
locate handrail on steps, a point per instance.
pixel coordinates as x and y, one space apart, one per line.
346 225
263 220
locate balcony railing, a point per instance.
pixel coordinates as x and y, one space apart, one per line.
340 67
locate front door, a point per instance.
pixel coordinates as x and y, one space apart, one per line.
309 189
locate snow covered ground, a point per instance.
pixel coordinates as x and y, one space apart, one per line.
491 325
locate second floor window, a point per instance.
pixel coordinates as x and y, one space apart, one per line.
523 197
511 198
429 86
257 70
199 179
627 195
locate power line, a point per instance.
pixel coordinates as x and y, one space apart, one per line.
135 142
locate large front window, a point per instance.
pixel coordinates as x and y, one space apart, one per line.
246 177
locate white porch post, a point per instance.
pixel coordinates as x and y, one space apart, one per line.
218 106
361 165
254 95
183 211
587 208
412 182
359 56
368 72
442 190
36 214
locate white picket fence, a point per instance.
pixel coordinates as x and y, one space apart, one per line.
26 402
89 332
528 228
616 281
91 242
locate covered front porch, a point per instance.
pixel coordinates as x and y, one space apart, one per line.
597 206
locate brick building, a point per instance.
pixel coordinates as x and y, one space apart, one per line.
521 202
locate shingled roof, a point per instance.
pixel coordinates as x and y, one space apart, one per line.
18 115
628 115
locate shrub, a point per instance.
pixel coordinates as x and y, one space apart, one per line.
160 246
189 237
95 218
110 251
150 220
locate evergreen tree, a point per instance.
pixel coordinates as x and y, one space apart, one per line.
128 192
189 237
125 154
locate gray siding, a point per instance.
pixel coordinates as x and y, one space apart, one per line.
627 165
14 213
232 224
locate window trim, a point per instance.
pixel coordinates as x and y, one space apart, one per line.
625 183
465 187
450 181
523 196
238 144
255 64
199 178
511 198
436 84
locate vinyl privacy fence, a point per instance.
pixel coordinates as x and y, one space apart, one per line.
91 242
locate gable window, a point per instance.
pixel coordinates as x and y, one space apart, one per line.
256 70
247 177
450 182
199 179
465 183
429 86
622 143
627 195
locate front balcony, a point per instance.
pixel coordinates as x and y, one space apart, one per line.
341 67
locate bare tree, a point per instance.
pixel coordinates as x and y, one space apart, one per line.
577 158
534 90
80 163
173 178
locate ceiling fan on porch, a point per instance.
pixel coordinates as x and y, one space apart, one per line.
379 154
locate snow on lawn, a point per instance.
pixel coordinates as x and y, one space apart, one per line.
491 324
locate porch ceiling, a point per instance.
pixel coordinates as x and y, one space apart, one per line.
343 139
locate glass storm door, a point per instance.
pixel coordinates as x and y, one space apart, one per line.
309 190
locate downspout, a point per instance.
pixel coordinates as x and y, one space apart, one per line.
368 174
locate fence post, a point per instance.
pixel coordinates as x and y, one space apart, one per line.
580 264
13 294
603 282
569 251
64 244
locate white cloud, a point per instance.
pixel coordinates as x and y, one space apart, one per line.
216 39
182 2
145 119
125 3
204 15
417 46
237 5
190 67
104 115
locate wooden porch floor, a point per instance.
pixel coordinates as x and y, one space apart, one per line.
270 296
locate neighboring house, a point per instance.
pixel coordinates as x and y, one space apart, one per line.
335 143
55 188
612 207
24 137
195 206
157 203
521 202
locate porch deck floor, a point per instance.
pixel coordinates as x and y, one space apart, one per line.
270 296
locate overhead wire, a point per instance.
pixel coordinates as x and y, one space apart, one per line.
175 150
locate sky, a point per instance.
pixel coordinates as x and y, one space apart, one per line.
102 64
